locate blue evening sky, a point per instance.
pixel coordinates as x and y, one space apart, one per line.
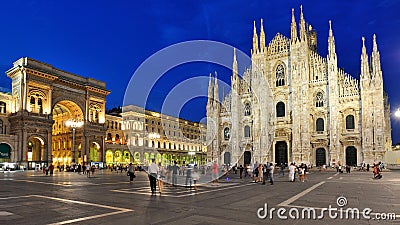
108 40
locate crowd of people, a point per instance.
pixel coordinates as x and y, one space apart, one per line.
76 168
191 174
260 173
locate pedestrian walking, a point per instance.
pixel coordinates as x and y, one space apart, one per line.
348 169
255 173
131 172
247 171
282 171
79 168
302 173
88 171
292 171
265 173
340 169
46 169
195 177
161 177
214 173
260 173
153 171
51 169
188 176
175 170
241 168
93 168
271 173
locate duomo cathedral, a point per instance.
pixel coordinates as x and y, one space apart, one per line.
294 105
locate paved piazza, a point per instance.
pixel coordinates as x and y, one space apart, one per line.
108 198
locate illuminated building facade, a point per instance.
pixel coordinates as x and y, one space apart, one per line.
42 100
293 104
165 138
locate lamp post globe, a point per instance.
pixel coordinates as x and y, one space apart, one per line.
397 113
73 124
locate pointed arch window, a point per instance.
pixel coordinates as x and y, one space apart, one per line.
349 122
247 131
227 133
40 105
320 125
247 109
280 75
32 100
319 100
3 107
280 109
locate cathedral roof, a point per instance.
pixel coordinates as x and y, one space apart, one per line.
278 45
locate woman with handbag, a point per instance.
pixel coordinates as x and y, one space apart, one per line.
131 172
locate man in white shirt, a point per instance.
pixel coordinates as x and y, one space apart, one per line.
271 173
153 171
292 171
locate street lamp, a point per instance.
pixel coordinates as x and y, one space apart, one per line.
397 113
73 124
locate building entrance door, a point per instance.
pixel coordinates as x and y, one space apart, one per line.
247 158
351 156
281 150
320 157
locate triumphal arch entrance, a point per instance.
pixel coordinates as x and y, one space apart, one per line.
58 117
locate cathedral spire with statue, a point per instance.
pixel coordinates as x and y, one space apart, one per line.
294 105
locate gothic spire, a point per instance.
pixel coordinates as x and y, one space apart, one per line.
210 90
375 58
331 42
364 61
235 64
216 94
293 28
255 39
262 37
303 31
